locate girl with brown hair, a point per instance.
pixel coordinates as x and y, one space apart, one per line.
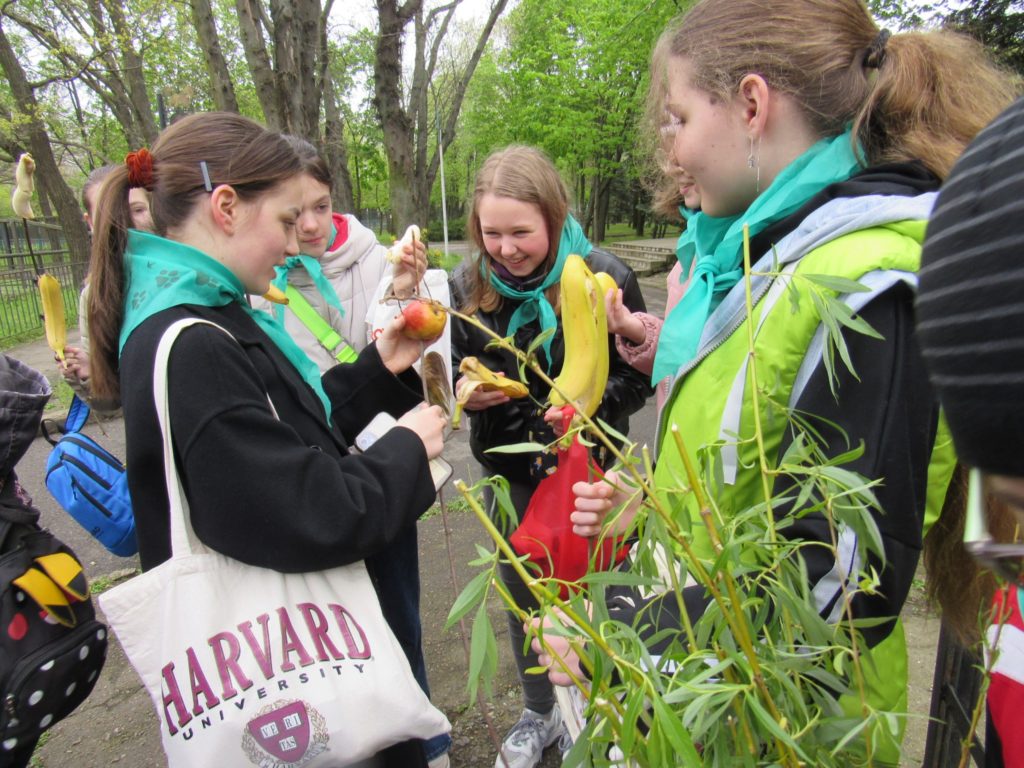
271 484
520 224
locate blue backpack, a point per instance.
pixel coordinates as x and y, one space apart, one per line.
91 484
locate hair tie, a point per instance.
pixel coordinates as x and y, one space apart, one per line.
875 54
140 168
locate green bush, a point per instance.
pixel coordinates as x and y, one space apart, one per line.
456 229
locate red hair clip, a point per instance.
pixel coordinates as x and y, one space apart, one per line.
140 168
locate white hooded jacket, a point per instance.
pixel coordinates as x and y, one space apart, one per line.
354 264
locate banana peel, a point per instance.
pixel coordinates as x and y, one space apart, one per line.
412 235
584 375
21 198
53 314
479 376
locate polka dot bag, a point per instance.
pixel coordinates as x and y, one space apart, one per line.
52 648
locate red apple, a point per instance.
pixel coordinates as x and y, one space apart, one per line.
424 319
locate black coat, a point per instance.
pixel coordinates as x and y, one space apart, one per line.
522 420
281 493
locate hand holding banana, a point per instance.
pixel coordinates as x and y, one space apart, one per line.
409 256
479 387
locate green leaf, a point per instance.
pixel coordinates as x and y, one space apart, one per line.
473 593
837 284
483 653
517 448
669 724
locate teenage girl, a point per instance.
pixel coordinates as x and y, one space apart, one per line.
338 268
828 137
273 490
339 265
520 224
75 367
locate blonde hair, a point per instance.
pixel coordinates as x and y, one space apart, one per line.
914 96
520 173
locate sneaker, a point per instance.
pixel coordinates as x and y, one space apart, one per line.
565 743
525 743
441 761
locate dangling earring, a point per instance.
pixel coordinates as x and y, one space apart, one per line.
752 162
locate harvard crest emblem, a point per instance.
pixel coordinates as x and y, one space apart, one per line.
286 734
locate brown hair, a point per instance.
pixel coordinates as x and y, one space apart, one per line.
312 163
957 584
521 173
236 150
918 96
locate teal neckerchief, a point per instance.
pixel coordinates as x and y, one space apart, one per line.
533 304
162 273
312 265
717 244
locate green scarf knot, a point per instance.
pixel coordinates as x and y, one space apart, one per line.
717 245
316 272
163 273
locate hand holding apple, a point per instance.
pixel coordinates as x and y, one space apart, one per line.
398 351
424 319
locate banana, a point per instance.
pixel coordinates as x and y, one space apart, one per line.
479 376
606 282
53 314
21 198
412 235
584 375
276 295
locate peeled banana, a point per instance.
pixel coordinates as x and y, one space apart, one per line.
584 375
53 314
21 198
412 235
479 376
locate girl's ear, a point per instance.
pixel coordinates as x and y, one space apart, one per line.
753 95
224 207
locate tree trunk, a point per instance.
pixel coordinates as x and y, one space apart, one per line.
221 86
601 209
387 100
259 63
64 202
135 81
410 136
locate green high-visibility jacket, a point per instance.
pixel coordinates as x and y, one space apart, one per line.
874 240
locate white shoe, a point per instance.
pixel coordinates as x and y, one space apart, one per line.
565 743
524 744
441 761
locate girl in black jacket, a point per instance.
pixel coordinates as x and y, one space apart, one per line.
276 490
521 226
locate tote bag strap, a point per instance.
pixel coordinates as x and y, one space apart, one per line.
183 538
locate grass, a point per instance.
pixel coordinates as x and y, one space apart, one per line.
101 584
623 232
456 505
37 760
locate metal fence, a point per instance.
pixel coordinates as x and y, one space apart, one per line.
21 312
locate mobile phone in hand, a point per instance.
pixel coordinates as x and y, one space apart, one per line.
440 470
